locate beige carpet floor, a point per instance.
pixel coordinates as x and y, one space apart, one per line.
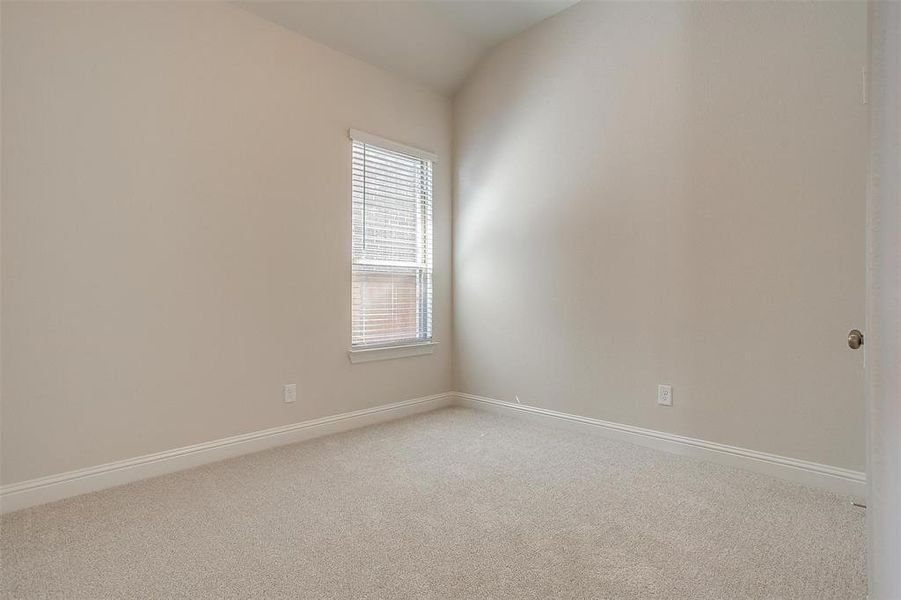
455 503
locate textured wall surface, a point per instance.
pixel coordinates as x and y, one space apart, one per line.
176 229
670 193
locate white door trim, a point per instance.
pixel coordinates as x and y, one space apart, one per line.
883 331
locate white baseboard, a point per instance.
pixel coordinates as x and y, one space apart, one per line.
834 479
73 483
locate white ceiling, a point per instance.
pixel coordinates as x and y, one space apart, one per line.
435 42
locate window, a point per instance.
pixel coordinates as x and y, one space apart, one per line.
392 244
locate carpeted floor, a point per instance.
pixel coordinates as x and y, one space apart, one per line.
455 503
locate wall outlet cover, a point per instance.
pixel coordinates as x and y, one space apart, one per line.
665 395
290 392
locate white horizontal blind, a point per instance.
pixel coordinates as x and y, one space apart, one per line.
392 247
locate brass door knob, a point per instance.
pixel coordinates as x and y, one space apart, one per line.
855 339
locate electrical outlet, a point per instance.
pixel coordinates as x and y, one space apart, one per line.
665 395
290 392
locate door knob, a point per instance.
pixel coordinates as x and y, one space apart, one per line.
855 339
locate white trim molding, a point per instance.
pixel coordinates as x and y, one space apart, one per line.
73 483
834 479
361 355
376 140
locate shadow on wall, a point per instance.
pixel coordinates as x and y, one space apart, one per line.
663 194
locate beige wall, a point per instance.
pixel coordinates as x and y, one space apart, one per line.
176 229
661 193
670 193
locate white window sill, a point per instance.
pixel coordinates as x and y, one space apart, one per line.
362 355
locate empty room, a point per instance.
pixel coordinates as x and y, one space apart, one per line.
450 299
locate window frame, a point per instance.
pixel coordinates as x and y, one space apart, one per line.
403 347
